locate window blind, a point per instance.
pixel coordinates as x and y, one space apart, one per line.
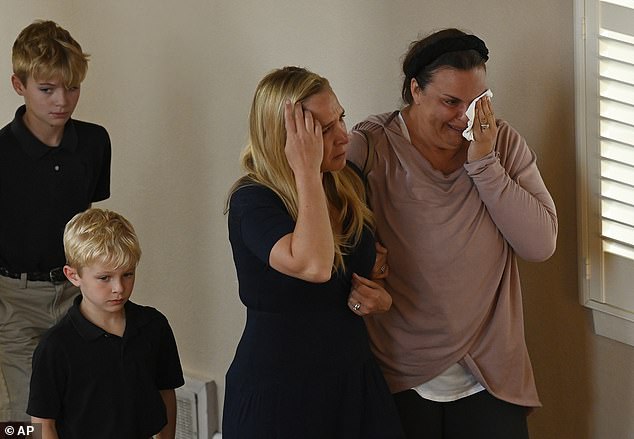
616 126
604 77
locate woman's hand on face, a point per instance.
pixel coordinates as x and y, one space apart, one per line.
368 297
485 130
304 147
380 269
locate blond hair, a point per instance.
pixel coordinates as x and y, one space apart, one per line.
265 163
101 236
45 50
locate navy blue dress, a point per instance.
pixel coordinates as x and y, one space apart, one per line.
303 367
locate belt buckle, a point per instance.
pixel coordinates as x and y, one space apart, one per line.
56 275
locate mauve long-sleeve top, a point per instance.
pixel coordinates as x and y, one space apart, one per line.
453 241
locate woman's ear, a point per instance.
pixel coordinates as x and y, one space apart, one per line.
72 275
415 90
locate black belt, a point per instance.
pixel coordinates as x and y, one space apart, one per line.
55 275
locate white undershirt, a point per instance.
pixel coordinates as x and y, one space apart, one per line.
455 382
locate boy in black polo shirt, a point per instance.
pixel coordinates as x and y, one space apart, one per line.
109 368
51 167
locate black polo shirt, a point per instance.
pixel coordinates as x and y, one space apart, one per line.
98 385
42 187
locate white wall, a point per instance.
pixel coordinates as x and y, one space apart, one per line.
172 82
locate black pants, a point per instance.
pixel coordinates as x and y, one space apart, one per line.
479 416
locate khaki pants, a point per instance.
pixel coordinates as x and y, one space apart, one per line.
27 310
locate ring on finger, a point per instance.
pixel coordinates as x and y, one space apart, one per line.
484 126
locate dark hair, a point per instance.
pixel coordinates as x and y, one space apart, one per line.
448 48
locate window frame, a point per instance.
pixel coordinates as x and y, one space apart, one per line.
609 319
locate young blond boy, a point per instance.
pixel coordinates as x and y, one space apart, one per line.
109 368
51 167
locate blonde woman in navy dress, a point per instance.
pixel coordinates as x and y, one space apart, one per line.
303 247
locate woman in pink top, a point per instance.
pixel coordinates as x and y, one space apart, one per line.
456 200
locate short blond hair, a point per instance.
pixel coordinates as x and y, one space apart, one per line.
45 50
101 236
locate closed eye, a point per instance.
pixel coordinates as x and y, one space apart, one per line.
329 127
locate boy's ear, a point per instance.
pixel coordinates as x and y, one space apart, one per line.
17 85
72 275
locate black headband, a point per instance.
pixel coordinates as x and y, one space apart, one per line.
429 54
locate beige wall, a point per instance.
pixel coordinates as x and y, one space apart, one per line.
172 82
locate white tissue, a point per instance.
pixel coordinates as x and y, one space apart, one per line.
468 132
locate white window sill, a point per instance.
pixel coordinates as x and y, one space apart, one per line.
613 326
